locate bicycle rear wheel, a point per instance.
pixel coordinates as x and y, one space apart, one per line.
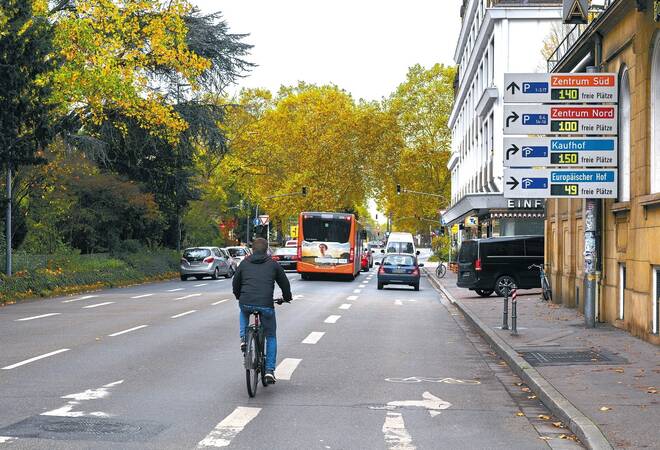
441 270
547 292
252 362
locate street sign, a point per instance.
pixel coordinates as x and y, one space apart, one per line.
560 88
293 231
560 151
555 119
560 183
264 220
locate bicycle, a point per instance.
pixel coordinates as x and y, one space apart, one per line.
254 358
441 270
545 284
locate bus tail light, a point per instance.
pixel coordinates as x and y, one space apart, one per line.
352 255
299 255
477 265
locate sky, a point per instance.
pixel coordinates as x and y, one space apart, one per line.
363 46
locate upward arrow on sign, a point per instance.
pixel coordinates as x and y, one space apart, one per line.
512 87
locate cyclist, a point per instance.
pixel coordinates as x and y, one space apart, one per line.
253 287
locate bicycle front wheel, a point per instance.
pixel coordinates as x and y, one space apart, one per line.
252 363
441 270
547 292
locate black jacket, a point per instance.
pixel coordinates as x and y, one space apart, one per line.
254 281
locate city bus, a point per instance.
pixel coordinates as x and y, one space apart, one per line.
329 243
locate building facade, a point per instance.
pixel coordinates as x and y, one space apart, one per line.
623 37
497 36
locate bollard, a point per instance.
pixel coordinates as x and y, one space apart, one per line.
514 312
505 314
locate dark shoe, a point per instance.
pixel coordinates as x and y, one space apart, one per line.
243 346
270 377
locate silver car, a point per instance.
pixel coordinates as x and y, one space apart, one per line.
239 253
200 262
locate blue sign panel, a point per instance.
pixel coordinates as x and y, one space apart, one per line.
535 152
582 144
534 119
534 183
535 88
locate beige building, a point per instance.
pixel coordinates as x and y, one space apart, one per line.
624 38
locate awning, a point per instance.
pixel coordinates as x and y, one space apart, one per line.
488 204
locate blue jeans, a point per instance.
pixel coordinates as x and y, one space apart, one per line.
270 328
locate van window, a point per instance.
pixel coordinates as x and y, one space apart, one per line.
400 247
534 247
467 252
505 248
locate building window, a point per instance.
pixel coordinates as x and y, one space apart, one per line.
655 117
622 289
624 135
656 300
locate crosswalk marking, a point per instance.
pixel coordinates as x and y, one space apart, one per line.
285 369
313 337
228 429
332 319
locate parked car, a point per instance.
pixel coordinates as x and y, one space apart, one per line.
287 257
399 268
200 262
500 263
291 243
239 253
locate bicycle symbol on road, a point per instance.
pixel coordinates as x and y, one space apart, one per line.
432 380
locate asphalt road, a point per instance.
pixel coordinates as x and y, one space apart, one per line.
158 366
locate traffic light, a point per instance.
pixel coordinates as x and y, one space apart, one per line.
398 189
304 191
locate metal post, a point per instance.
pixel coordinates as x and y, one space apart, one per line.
247 228
514 312
8 221
505 314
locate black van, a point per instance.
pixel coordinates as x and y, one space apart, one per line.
493 264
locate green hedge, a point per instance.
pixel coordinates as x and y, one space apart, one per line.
72 273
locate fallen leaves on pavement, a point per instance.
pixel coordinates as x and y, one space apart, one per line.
520 414
652 390
557 424
543 417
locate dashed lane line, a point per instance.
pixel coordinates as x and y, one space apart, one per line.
313 337
187 296
36 358
332 319
398 302
345 306
201 284
220 301
6 439
96 305
24 319
285 369
176 316
84 297
142 296
175 290
119 333
357 291
352 297
229 428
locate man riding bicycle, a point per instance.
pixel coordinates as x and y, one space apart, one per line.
253 287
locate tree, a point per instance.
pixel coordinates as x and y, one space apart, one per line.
422 105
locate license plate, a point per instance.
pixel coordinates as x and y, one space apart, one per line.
399 271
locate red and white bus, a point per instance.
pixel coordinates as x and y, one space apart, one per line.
329 243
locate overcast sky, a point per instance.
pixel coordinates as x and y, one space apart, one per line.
363 46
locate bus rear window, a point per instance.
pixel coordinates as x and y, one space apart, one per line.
468 252
317 229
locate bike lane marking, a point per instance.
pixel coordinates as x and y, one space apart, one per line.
229 428
187 296
332 319
84 297
119 333
96 305
285 369
313 337
201 284
142 296
219 301
36 358
37 317
345 306
395 433
176 316
175 290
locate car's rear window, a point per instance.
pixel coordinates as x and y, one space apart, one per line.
398 260
467 252
196 254
400 247
286 251
234 252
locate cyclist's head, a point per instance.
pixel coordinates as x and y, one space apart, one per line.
259 246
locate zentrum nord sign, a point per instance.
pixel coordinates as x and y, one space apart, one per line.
552 119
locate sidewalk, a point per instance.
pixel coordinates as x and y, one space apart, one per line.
619 396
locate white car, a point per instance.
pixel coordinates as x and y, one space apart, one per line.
238 253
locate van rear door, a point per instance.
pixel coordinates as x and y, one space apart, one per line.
467 256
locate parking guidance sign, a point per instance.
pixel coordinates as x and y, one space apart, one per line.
560 183
556 119
560 88
560 151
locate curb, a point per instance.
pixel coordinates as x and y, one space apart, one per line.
583 427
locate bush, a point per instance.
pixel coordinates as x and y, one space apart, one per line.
440 246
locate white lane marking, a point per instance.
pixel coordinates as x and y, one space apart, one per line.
395 433
202 284
229 428
143 295
6 439
357 291
37 317
176 316
352 297
345 306
75 399
187 296
98 304
175 290
285 369
127 331
295 297
398 302
362 286
84 297
313 337
36 358
332 319
218 302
